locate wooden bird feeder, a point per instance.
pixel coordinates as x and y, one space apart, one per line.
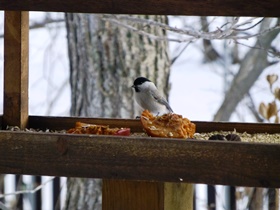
138 172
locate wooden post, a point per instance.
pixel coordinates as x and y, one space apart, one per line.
16 45
139 195
178 196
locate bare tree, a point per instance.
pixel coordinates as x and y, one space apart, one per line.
253 64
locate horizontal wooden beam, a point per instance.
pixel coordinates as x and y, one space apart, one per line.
65 123
162 7
61 123
131 158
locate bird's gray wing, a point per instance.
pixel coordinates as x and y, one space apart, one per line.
161 100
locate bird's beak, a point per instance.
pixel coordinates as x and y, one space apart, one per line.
133 86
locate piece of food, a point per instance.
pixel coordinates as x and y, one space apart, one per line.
84 128
168 125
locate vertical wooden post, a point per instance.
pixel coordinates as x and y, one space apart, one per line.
139 195
178 196
16 47
132 195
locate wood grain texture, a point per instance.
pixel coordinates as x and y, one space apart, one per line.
163 7
61 123
178 196
131 158
132 195
64 123
135 195
16 45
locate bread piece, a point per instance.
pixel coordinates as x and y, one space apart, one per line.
168 125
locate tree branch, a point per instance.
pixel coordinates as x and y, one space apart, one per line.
173 60
3 207
28 191
210 53
42 24
219 33
251 67
253 109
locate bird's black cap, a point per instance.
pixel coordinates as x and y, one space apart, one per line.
140 80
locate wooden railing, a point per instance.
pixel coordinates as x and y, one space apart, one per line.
134 158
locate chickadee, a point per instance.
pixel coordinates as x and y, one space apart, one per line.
148 97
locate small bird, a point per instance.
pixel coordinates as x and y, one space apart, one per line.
148 97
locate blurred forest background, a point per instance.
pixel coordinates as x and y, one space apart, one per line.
211 69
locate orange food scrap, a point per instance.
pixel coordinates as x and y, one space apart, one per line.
84 128
168 125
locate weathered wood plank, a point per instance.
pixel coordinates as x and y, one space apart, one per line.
163 7
178 196
61 123
123 194
131 158
16 35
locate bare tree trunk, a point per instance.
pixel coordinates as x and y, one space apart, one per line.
256 202
2 186
272 199
251 67
104 61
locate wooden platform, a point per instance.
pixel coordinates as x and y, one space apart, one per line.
141 158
